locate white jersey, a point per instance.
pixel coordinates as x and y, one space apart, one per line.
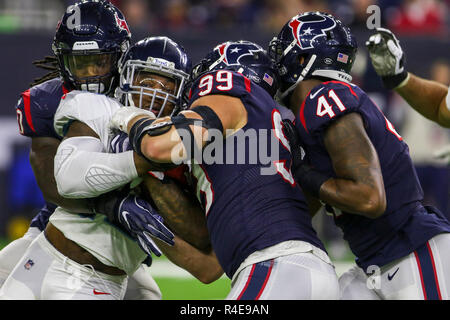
94 233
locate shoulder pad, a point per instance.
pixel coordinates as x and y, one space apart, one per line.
93 109
326 103
36 108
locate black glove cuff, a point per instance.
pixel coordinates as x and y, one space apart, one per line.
137 132
106 204
309 179
148 261
392 82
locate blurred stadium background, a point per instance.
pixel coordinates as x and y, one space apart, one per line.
26 32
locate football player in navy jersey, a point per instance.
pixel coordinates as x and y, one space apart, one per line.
258 221
349 156
84 61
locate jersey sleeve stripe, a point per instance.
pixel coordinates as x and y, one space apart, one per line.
248 84
65 90
345 84
27 107
302 115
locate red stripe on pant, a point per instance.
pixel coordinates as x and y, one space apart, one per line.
257 280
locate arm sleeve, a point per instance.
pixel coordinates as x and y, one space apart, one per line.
84 170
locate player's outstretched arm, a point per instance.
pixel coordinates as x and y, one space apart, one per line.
201 264
160 141
359 186
425 96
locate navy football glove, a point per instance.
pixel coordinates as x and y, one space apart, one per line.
141 220
120 143
309 179
137 217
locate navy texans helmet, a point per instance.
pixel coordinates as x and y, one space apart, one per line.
327 47
154 72
244 57
90 39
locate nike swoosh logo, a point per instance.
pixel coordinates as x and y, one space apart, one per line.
390 276
100 292
312 96
125 217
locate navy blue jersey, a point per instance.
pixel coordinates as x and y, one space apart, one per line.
36 109
246 209
406 224
35 112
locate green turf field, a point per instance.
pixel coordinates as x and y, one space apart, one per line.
3 242
192 289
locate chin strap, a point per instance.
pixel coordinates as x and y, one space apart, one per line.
302 76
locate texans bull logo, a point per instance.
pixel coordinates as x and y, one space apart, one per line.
122 23
307 28
232 53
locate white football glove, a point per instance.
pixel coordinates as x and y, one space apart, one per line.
122 116
388 58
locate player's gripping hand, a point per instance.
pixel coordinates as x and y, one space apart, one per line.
120 143
124 115
141 220
388 58
309 179
137 217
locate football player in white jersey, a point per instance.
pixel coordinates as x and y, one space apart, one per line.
87 257
36 122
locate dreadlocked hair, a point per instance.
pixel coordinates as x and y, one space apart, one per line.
48 63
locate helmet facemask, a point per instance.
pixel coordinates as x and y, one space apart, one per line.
93 72
153 85
90 39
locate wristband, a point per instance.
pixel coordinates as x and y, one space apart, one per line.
395 81
137 132
106 204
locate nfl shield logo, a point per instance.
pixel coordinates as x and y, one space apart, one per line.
29 264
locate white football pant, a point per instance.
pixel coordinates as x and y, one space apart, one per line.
421 275
141 285
300 276
43 273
